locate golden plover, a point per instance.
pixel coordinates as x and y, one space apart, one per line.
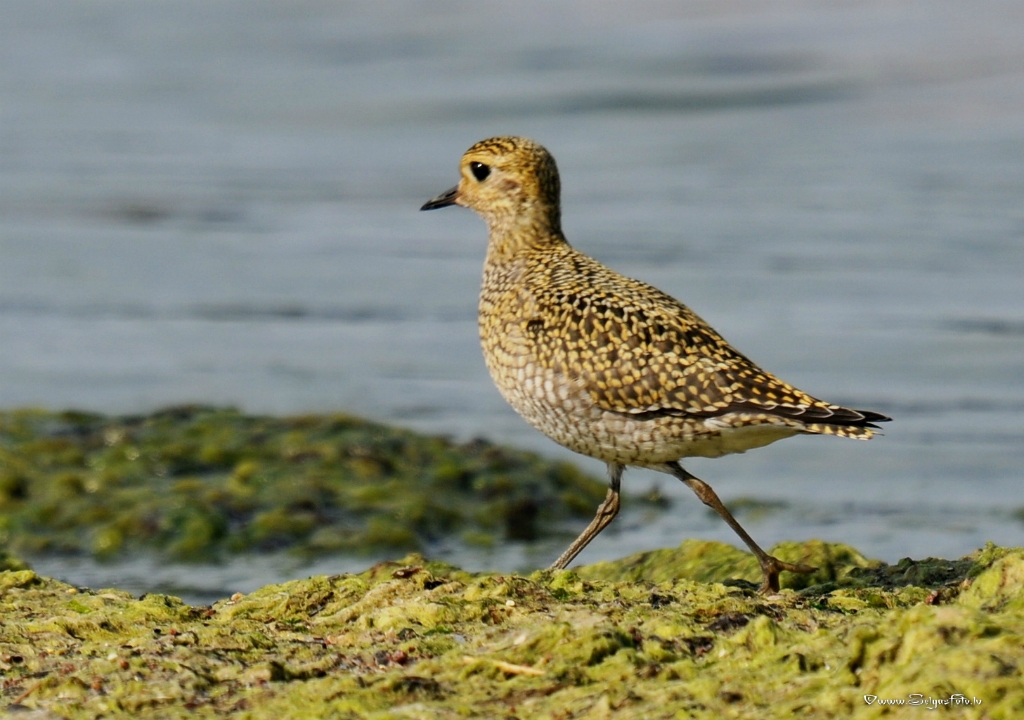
608 366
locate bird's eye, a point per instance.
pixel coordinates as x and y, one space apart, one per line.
479 170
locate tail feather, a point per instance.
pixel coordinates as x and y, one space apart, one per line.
857 432
862 428
820 415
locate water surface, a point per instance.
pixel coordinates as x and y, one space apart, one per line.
217 202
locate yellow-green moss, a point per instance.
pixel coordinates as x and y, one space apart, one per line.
834 562
196 482
418 639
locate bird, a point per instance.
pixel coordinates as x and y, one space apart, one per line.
612 367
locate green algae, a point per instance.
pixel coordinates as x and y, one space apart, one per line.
421 639
9 561
195 483
835 563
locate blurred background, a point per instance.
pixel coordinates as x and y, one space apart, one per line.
217 201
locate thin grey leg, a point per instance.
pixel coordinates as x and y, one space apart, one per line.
770 566
606 512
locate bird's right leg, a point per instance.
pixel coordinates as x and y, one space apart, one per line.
606 512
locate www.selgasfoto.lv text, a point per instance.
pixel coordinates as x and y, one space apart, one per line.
921 699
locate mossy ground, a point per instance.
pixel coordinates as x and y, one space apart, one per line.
666 634
197 483
653 636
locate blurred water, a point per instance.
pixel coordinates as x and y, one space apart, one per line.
217 202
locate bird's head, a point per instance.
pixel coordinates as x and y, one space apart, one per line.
512 182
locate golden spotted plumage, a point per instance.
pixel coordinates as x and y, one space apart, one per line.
609 366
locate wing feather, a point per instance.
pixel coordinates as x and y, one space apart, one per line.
636 350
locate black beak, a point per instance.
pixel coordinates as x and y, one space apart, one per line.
443 200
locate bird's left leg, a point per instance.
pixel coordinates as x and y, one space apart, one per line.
770 566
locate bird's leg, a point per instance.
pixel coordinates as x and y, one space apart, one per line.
606 512
770 566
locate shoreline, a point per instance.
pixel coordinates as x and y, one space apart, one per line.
422 639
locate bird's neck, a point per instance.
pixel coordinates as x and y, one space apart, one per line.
510 236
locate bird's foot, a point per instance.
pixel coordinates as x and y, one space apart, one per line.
770 569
